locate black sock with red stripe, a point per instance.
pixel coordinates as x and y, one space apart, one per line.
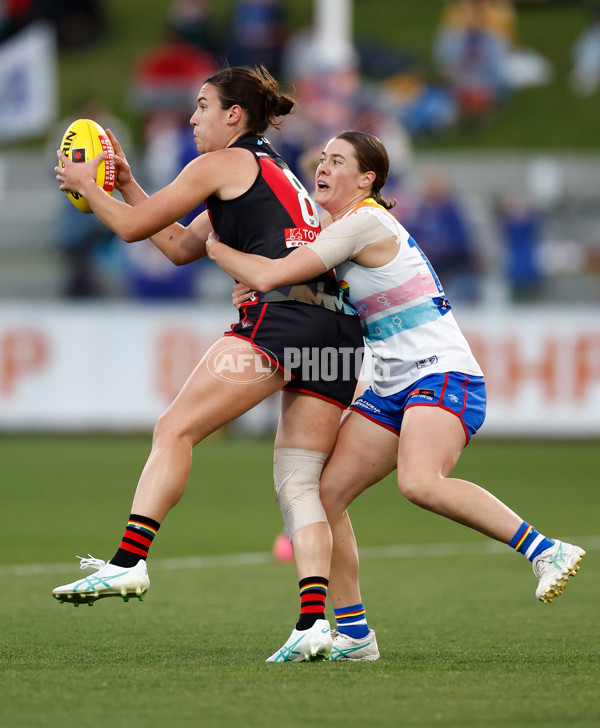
137 539
313 595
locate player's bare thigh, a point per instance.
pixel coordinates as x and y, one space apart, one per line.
307 422
230 379
431 441
364 454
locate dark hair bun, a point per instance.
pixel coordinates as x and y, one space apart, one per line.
284 106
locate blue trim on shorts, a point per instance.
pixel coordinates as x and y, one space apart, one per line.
460 394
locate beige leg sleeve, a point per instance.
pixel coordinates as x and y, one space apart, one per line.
296 474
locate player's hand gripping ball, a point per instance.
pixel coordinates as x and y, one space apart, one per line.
84 140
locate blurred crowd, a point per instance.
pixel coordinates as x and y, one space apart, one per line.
478 64
78 22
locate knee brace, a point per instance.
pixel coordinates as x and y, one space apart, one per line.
296 474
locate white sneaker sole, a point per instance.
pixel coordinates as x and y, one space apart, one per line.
89 597
369 658
556 588
108 581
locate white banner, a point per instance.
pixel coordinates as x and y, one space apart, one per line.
28 83
542 370
64 367
116 368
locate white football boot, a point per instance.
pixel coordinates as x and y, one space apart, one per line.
108 581
553 567
306 645
348 648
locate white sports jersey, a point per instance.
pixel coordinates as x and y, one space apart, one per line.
406 318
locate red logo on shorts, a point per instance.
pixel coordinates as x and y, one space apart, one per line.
423 393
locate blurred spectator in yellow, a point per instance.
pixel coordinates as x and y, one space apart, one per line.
471 47
439 223
496 17
585 76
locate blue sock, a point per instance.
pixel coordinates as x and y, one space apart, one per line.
529 542
352 621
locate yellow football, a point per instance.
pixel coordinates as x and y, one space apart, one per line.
84 140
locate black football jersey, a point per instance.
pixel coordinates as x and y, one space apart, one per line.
272 218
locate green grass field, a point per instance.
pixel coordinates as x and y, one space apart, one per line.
463 640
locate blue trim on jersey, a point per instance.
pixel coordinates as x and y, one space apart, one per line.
408 318
455 392
413 244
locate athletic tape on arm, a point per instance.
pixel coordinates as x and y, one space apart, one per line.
346 237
